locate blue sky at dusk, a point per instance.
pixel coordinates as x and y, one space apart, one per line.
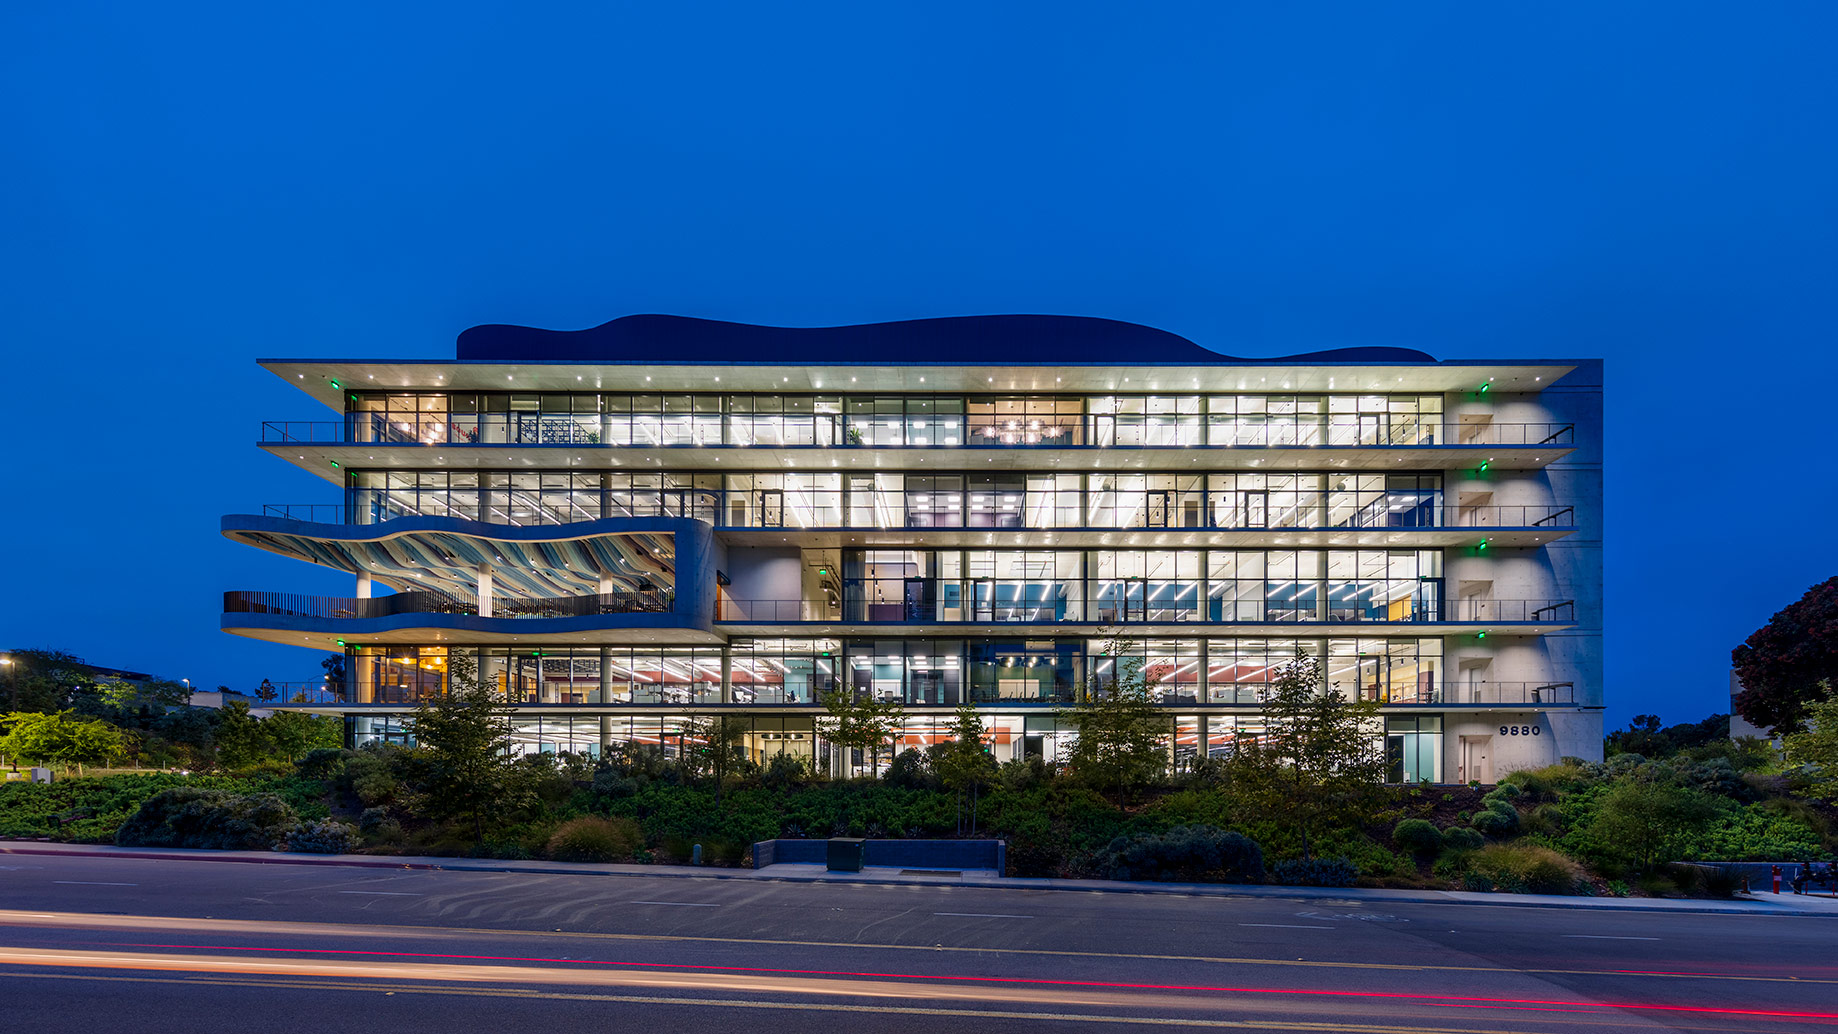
190 187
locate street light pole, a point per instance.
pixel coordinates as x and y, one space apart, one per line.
12 668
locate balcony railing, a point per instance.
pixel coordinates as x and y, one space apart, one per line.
825 432
1144 609
1484 694
374 506
642 601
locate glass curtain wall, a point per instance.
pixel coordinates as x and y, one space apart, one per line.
902 500
667 419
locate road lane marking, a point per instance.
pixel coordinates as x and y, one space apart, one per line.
685 904
481 981
94 883
1607 937
385 893
982 915
814 1006
95 921
1287 926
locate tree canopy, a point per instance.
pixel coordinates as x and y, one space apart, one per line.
1787 664
1122 734
464 767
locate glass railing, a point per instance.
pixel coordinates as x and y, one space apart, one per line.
642 601
1063 603
737 510
1103 432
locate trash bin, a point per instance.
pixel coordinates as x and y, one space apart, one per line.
847 854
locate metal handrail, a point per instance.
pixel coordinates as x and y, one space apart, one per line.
1086 432
1096 610
1443 516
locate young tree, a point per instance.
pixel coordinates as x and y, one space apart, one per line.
964 763
715 744
1122 735
1818 745
1647 817
862 723
463 763
291 734
63 739
241 742
1320 755
1785 663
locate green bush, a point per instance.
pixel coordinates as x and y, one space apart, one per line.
1417 836
785 770
1526 869
187 816
592 839
1196 854
1314 872
322 836
1461 838
1498 819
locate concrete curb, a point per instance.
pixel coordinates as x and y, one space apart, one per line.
1365 896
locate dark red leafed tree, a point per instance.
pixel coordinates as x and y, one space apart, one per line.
1786 664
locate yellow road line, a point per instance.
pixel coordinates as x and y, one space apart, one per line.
837 1007
275 927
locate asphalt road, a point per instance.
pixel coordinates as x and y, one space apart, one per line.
100 944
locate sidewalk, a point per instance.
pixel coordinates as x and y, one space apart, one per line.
1757 904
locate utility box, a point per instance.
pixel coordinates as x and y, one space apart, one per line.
41 775
847 854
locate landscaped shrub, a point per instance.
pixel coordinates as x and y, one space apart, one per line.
1461 838
1417 836
187 816
1498 819
591 839
1201 854
322 763
379 825
1525 869
323 836
785 770
911 770
1314 872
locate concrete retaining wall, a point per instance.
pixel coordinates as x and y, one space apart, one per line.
908 854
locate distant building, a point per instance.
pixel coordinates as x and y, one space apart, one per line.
663 517
1740 727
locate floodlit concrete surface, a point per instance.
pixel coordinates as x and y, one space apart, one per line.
96 941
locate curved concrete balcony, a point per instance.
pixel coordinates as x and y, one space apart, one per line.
459 580
642 616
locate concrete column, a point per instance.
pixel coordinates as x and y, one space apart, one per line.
363 673
1204 751
363 585
607 586
605 693
606 733
606 480
727 675
485 590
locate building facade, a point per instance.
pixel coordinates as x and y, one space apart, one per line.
662 517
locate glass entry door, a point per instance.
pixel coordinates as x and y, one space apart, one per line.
771 503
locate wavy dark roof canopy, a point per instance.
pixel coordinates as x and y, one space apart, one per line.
967 340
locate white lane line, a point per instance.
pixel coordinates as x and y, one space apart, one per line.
1287 926
1606 937
685 904
384 893
982 915
93 883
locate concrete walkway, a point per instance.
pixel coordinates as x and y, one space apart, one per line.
1755 904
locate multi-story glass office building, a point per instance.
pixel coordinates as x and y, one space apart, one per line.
664 517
